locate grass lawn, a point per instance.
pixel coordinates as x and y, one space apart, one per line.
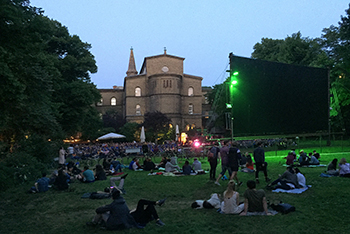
324 208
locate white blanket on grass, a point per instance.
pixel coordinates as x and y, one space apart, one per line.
273 212
296 191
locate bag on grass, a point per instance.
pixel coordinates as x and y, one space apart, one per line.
96 195
283 208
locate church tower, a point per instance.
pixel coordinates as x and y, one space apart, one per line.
132 67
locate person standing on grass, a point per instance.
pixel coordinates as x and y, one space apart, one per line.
62 156
213 160
224 162
234 156
260 164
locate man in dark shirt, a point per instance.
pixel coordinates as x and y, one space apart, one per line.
224 162
260 164
234 157
254 200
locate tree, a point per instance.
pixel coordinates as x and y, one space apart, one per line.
337 46
293 49
129 130
114 119
157 125
45 88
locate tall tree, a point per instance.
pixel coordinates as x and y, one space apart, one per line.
337 45
293 49
45 76
157 125
113 119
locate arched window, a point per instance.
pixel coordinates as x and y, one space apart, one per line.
138 110
190 91
113 101
190 109
138 92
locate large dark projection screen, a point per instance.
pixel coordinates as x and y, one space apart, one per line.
277 98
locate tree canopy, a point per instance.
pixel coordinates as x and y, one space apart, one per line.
157 126
331 50
45 76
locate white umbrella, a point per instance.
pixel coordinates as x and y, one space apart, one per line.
111 136
142 136
177 132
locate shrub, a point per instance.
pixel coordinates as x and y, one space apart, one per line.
18 168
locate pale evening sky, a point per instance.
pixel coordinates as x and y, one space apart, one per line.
203 32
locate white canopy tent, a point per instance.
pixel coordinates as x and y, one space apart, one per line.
111 136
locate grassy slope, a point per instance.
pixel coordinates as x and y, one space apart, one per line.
322 209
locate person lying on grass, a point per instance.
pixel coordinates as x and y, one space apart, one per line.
41 185
254 200
117 216
288 180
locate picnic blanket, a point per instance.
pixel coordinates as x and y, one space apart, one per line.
273 212
320 165
295 191
328 175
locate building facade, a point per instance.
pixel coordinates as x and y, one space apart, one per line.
161 85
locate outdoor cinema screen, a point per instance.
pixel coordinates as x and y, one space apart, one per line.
278 98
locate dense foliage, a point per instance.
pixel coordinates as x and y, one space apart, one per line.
45 90
157 126
331 50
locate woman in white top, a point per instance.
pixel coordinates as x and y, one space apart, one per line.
231 205
301 177
344 168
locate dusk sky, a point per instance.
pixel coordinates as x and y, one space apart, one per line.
203 32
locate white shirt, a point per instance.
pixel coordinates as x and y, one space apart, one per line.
301 179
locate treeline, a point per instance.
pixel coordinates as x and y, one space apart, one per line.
331 51
45 93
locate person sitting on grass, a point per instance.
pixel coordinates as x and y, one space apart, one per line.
288 180
61 182
41 185
317 155
344 168
134 165
197 165
100 174
169 167
115 166
254 200
87 176
249 166
301 178
332 168
117 216
230 204
313 160
186 168
162 162
148 165
303 158
290 158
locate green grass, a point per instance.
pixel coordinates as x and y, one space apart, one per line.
324 208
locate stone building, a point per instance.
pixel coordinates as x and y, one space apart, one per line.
161 85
